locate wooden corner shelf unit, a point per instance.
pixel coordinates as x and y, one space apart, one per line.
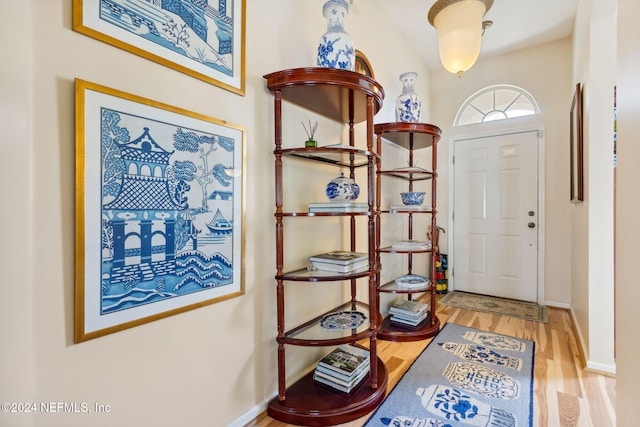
349 98
412 137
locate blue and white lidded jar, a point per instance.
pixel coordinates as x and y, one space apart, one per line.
408 104
336 48
342 188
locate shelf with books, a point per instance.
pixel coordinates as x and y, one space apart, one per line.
412 137
348 98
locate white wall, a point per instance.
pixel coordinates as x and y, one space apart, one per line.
17 323
205 367
592 221
544 71
627 207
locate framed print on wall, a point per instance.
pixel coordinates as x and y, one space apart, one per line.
576 148
205 39
363 66
159 210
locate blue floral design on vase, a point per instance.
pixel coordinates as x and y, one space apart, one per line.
336 48
408 104
342 188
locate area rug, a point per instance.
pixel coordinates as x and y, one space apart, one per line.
494 305
465 377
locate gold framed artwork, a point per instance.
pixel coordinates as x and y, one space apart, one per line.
159 210
205 40
576 148
363 66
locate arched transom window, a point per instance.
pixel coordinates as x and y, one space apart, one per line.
496 103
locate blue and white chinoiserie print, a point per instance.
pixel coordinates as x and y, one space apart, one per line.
336 48
167 209
458 382
202 38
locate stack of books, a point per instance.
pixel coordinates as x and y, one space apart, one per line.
412 245
343 369
408 313
339 261
344 206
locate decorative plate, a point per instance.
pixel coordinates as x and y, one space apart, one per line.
412 281
343 320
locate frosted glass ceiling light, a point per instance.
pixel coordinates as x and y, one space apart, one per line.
460 27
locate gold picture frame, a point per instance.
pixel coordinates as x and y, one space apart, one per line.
363 66
205 41
160 210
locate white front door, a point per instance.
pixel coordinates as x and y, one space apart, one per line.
495 215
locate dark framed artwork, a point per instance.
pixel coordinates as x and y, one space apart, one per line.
576 148
205 40
159 210
363 66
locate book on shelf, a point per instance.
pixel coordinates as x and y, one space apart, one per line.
340 257
343 206
411 244
339 385
409 317
409 308
342 378
415 208
343 368
329 375
407 323
346 360
337 268
339 261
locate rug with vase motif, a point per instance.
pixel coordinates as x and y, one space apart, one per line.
464 377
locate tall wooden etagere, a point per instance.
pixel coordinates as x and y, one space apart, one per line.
416 138
349 98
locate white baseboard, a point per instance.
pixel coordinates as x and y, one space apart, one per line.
558 304
602 368
249 416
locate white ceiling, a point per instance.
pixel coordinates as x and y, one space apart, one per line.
517 24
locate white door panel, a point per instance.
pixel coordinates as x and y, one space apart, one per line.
495 200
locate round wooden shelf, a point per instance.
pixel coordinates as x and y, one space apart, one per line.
309 404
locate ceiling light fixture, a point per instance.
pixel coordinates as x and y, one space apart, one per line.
460 29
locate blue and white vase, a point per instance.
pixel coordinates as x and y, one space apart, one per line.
408 104
336 48
342 189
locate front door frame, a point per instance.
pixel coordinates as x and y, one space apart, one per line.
500 131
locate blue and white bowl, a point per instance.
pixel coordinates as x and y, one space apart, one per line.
413 197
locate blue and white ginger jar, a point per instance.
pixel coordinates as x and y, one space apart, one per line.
408 104
336 48
342 188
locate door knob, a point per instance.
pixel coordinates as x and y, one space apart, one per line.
531 225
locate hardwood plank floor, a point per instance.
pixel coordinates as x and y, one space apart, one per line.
565 394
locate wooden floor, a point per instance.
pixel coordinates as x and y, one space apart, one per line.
564 393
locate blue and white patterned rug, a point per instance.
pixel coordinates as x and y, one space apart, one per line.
465 377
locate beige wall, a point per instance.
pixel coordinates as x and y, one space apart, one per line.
205 367
627 207
592 290
544 71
